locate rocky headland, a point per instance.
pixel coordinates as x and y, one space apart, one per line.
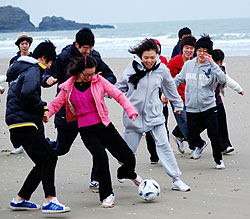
14 19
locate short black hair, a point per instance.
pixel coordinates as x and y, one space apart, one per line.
46 49
218 55
184 31
189 40
85 37
145 45
205 42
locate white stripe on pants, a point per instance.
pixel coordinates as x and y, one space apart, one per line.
163 148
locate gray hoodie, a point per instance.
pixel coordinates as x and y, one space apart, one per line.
146 97
201 82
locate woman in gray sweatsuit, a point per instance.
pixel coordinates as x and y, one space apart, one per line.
141 81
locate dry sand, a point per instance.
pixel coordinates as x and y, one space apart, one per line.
215 193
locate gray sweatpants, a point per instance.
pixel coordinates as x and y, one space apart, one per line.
163 148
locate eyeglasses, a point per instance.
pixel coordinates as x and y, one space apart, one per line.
85 48
201 51
87 75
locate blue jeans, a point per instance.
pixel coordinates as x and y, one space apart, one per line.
181 130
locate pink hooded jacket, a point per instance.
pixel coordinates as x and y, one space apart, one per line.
99 86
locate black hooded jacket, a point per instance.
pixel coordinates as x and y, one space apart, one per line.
24 102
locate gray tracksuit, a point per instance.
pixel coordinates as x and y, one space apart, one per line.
149 107
201 82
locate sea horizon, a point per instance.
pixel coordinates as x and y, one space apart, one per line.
230 35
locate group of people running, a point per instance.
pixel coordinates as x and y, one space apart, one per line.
146 87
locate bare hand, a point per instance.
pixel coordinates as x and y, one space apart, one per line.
241 93
178 112
51 80
2 91
209 58
163 98
134 117
46 116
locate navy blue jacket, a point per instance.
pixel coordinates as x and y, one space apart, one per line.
176 50
58 70
24 103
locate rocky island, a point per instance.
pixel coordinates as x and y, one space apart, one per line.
14 19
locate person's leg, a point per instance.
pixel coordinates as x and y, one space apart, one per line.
165 113
195 126
151 148
164 151
93 143
120 150
42 155
223 130
211 120
167 158
65 139
132 139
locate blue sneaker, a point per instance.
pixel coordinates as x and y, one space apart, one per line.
53 207
23 205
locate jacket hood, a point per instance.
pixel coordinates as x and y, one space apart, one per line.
21 65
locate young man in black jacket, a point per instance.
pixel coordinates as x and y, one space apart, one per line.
24 114
67 132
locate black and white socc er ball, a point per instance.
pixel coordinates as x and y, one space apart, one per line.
149 189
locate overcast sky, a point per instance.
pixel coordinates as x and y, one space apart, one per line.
116 11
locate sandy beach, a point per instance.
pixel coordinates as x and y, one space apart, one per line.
214 193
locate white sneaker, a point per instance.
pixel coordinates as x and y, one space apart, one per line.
198 151
180 144
54 206
17 150
180 186
138 180
228 150
121 180
109 202
220 166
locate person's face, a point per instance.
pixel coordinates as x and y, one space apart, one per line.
24 47
87 74
220 62
85 50
149 58
201 54
188 51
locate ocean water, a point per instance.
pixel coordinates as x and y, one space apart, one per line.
230 35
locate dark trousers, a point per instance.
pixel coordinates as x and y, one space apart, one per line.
222 121
197 122
150 141
41 153
97 138
65 138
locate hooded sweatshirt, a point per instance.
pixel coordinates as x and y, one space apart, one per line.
201 82
146 97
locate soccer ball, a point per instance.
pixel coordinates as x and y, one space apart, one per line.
149 189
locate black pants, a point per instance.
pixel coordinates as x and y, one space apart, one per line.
41 153
197 122
97 138
65 137
222 119
150 141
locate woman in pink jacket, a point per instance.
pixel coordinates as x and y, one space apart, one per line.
83 97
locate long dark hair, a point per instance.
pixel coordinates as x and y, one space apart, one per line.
79 64
145 45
